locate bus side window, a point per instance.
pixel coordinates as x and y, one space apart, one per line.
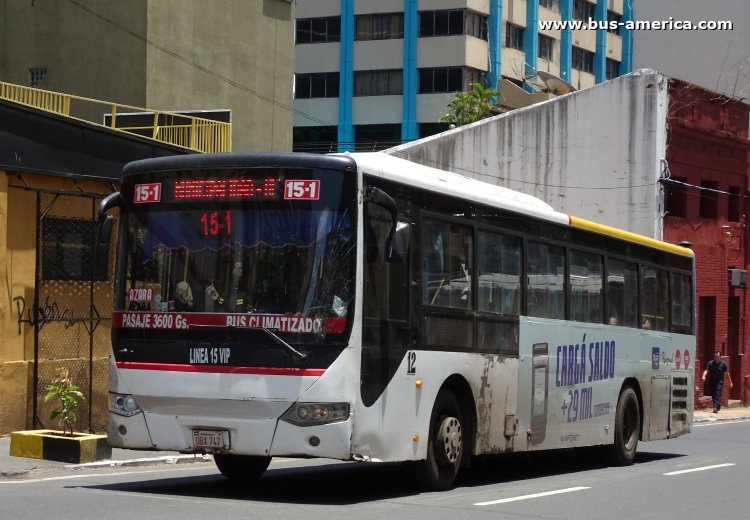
499 270
586 302
655 298
545 287
447 251
681 289
434 262
622 293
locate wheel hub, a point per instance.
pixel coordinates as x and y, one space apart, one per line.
449 440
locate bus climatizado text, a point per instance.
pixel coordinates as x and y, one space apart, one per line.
362 307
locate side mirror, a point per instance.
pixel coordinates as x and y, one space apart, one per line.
104 231
103 238
109 202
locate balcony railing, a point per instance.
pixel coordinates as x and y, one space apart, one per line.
179 129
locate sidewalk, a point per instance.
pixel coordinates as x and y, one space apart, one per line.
17 467
735 410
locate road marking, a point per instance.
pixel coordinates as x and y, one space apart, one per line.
535 495
704 468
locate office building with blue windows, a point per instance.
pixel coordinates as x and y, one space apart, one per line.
370 74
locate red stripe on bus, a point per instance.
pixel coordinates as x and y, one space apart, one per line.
211 369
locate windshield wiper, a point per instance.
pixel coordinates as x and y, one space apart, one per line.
282 343
277 339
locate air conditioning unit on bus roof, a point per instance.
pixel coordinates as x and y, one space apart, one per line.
737 278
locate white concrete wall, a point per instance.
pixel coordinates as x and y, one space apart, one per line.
381 6
595 153
316 57
481 6
376 110
316 8
431 107
378 55
316 112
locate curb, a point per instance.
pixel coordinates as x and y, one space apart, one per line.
50 445
146 461
727 417
20 474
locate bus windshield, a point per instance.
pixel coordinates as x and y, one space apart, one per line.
277 266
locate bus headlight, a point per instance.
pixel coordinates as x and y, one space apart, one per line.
312 414
123 404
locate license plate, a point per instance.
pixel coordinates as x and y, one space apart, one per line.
211 439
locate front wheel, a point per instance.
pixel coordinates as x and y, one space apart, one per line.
627 428
241 467
445 445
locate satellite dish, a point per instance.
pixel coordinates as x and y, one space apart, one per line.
555 85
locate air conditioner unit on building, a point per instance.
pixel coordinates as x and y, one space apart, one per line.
737 278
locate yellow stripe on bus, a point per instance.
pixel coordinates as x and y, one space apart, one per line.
627 235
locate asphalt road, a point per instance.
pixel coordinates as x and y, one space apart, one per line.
700 475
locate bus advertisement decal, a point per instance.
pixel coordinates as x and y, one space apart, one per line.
584 364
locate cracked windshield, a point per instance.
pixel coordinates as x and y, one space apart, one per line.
276 267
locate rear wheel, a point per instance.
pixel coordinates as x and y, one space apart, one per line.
241 467
627 428
445 445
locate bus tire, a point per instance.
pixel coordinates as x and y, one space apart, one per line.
241 467
445 445
627 428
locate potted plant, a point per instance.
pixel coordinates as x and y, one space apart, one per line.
63 445
66 395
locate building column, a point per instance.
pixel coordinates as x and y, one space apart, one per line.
600 57
409 126
531 41
495 30
346 77
626 63
566 41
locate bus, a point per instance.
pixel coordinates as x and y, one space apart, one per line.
362 307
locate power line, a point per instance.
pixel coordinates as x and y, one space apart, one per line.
293 110
669 180
457 169
198 66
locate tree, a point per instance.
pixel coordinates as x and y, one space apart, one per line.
469 107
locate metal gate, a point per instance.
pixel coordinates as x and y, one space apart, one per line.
72 307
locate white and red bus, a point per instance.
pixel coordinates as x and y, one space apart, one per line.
362 307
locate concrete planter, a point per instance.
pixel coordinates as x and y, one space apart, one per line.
52 445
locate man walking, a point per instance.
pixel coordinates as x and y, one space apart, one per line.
716 368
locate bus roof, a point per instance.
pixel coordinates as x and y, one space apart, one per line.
238 160
440 181
450 183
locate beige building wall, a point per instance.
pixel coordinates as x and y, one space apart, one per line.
82 53
162 55
247 47
18 217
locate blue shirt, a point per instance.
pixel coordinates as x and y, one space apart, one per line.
716 370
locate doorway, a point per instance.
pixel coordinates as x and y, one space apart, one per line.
733 344
706 335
